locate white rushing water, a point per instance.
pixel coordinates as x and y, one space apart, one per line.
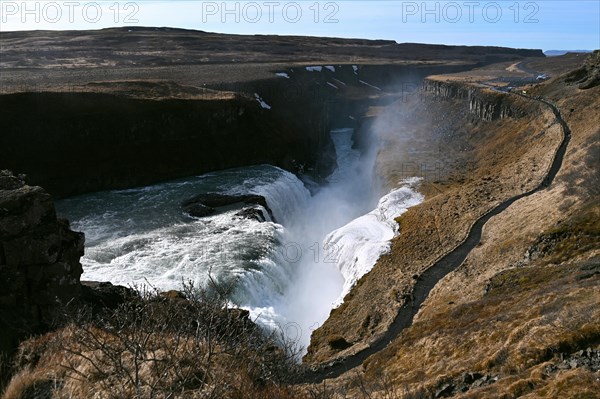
288 273
357 245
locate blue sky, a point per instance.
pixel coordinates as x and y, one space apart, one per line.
524 24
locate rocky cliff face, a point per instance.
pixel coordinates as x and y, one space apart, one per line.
78 142
484 104
39 260
588 76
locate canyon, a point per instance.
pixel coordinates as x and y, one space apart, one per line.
518 166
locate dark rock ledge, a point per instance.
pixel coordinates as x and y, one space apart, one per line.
207 204
39 261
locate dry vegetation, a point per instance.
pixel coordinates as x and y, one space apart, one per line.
155 346
167 345
525 321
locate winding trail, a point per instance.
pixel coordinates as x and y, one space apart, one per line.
443 266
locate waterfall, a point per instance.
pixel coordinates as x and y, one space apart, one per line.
288 272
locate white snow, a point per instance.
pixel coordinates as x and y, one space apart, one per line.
331 68
261 102
355 68
314 68
283 75
332 85
339 81
370 85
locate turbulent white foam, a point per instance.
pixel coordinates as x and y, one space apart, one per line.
140 235
317 282
356 246
285 194
164 256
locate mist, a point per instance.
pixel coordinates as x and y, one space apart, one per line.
338 236
289 273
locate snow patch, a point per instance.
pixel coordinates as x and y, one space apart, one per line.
283 75
332 85
261 101
331 68
314 68
355 68
370 85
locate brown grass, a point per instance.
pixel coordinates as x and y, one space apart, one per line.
528 316
154 347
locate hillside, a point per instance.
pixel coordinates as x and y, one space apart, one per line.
525 297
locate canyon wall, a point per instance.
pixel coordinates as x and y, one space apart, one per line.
84 111
113 135
79 142
485 104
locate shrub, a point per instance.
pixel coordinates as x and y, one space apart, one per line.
153 346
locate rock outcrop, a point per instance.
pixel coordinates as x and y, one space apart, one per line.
588 75
39 260
484 104
206 204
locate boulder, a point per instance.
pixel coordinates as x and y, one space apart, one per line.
254 213
198 210
206 204
104 295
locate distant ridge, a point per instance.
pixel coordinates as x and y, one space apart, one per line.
554 53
